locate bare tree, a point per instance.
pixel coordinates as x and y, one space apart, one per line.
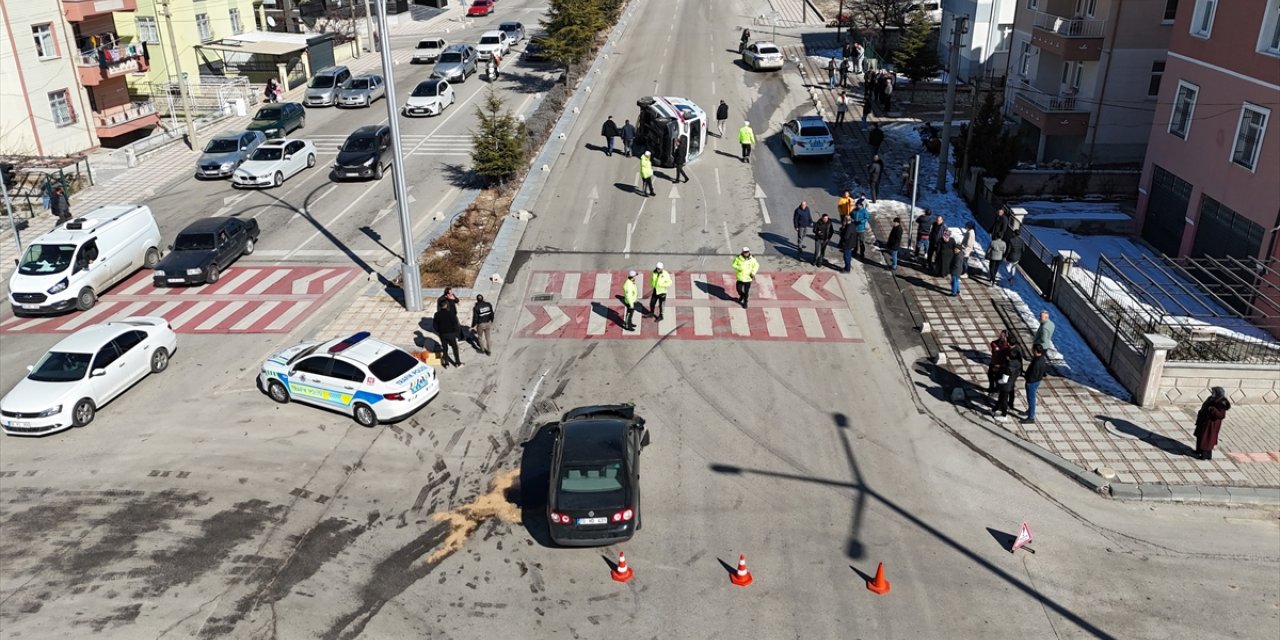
880 16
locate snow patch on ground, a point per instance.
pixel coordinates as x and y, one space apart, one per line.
1050 210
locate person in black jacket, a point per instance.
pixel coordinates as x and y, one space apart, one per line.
682 149
875 138
849 239
722 116
628 132
821 236
445 323
1008 392
609 131
894 243
958 263
935 242
1013 254
481 322
1037 369
946 250
1000 228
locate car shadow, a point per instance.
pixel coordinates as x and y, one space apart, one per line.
535 476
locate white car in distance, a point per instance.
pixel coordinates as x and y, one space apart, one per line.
429 98
274 162
85 371
493 42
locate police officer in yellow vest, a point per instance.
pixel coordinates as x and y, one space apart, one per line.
746 138
660 283
745 268
630 294
646 174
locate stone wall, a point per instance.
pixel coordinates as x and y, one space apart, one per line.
1122 359
1190 382
1063 182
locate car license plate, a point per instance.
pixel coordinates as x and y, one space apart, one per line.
30 306
175 279
593 520
17 425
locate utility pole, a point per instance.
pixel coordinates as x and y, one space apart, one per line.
355 29
839 22
410 278
368 23
192 138
959 27
968 137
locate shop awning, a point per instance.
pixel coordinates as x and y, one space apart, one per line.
261 47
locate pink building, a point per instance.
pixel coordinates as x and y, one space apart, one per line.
1211 180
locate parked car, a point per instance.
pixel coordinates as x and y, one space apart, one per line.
514 30
275 162
456 63
363 91
480 8
69 266
326 85
536 50
428 50
429 98
85 371
365 154
808 136
370 380
279 120
492 42
594 493
204 249
226 151
762 56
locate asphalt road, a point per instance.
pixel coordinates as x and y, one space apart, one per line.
195 507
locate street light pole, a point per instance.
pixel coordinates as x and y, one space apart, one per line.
959 28
192 138
410 278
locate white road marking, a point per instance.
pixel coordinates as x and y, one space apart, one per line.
85 316
301 285
717 172
596 321
137 286
631 228
591 204
332 282
738 321
222 314
285 318
238 281
329 225
161 310
31 322
764 211
697 293
668 323
702 321
604 282
190 314
804 286
774 323
540 283
569 288
812 325
558 319
833 287
764 285
265 283
727 243
249 320
526 318
848 326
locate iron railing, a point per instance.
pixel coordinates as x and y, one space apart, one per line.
1068 27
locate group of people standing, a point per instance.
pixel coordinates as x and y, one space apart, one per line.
661 282
851 237
945 255
1007 365
447 326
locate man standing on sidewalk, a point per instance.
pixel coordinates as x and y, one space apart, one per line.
745 268
1044 333
746 138
628 136
957 269
861 227
999 359
831 73
935 244
802 220
646 175
630 294
1037 369
1007 382
894 244
821 236
481 322
845 66
1013 254
659 284
722 116
922 235
844 206
847 239
609 131
445 323
995 255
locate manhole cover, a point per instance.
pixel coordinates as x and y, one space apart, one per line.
541 297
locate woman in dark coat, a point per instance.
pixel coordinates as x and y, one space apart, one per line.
1209 422
945 252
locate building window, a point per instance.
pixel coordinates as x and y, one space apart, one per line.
1184 106
1157 71
1033 4
46 48
1269 40
1170 11
202 25
1086 8
60 105
148 32
1024 66
1202 19
1003 33
1253 123
237 27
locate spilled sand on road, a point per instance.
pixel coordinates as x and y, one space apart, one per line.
464 520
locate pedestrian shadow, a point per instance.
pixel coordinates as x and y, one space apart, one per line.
729 155
715 290
628 188
1159 441
1005 540
919 282
601 148
423 341
947 382
973 355
783 246
535 475
608 313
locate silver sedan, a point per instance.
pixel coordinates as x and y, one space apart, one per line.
363 91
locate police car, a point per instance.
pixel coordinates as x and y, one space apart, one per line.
369 379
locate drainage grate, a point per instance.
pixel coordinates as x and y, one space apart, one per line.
541 297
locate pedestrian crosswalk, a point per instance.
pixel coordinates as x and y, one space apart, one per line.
798 307
411 144
245 300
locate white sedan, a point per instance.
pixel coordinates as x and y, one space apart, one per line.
762 55
429 98
808 136
84 372
274 162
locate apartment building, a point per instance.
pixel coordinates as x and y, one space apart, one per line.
984 52
1211 183
194 23
1084 77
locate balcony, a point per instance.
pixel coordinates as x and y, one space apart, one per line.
122 119
93 72
78 10
1053 114
1074 40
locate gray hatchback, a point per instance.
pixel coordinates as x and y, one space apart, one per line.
225 152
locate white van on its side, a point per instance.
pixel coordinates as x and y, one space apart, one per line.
68 267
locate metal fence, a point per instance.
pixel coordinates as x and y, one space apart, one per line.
211 94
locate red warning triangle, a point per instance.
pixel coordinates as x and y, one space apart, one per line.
1024 538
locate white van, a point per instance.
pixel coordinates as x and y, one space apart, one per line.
68 267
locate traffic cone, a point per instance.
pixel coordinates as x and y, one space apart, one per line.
879 586
622 573
741 577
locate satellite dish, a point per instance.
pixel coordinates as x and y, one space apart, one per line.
271 22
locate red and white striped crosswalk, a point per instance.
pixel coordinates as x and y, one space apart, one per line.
798 307
245 300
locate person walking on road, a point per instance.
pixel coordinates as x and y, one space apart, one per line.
821 236
481 322
999 359
60 206
682 150
861 227
1008 390
995 255
745 267
875 171
957 270
848 238
722 117
610 131
842 109
445 323
886 90
646 175
894 244
746 138
628 133
630 295
1037 369
875 138
660 283
802 220
1044 333
1209 422
746 37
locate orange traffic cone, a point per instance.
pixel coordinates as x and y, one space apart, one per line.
622 573
879 586
741 577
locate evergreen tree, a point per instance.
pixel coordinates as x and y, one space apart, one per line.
916 57
991 146
498 142
572 26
